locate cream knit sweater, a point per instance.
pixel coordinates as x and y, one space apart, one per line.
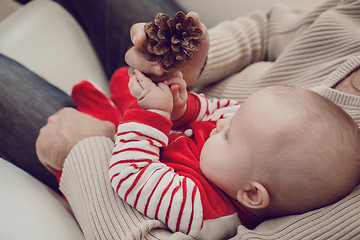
315 49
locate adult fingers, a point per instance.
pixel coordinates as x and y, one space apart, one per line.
196 18
137 34
136 59
176 73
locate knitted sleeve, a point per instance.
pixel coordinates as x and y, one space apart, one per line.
234 45
100 212
258 36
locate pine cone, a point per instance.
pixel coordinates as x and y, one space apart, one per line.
172 42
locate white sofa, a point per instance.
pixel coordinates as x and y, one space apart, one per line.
37 32
30 210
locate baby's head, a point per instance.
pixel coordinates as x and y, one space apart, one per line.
287 150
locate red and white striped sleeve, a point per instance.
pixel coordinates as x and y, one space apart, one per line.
150 186
215 109
200 108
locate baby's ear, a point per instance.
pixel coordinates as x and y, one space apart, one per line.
253 196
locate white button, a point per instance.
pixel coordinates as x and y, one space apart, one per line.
188 132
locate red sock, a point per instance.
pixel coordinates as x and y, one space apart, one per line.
58 175
119 91
90 100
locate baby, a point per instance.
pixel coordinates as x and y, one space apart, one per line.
205 166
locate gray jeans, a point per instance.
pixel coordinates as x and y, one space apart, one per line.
108 22
26 101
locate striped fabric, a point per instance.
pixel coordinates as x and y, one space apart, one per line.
138 174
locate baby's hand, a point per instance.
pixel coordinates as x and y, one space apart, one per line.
179 94
152 97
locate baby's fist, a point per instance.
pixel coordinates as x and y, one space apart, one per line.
153 97
178 88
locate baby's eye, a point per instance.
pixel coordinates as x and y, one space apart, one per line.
226 134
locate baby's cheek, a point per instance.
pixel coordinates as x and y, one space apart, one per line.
207 164
203 158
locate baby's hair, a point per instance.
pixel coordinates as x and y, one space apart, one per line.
318 145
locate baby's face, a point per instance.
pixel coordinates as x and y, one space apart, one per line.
224 155
227 158
270 129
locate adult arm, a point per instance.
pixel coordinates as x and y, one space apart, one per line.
100 212
259 36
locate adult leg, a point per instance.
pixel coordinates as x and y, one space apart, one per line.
108 22
26 101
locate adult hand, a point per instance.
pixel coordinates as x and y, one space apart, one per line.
63 131
136 59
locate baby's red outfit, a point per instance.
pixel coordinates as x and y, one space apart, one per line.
158 172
